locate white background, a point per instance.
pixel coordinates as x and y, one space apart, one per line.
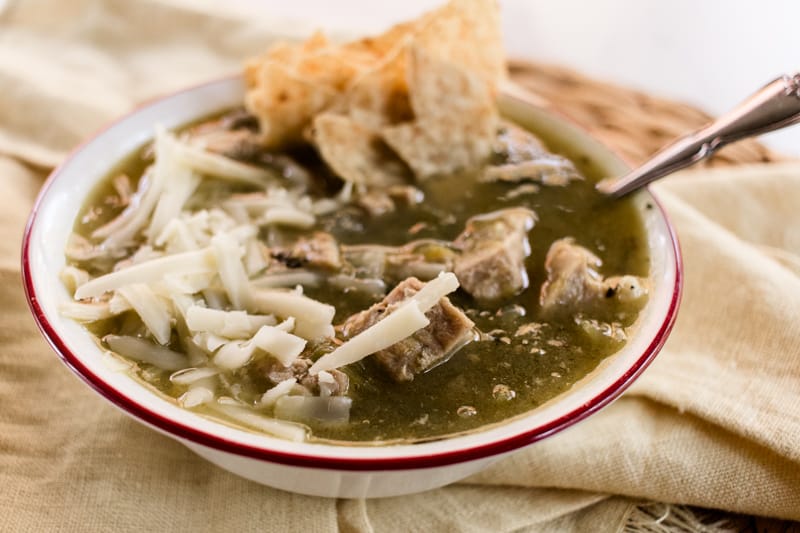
709 53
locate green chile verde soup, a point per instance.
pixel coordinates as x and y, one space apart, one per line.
519 354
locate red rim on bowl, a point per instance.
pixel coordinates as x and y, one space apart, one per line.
217 442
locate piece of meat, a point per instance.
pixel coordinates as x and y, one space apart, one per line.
520 156
406 195
493 251
424 259
573 282
448 331
233 135
376 202
275 372
382 200
320 250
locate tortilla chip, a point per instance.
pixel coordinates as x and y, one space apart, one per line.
456 119
439 88
384 82
379 46
327 67
379 96
285 103
420 145
354 152
467 33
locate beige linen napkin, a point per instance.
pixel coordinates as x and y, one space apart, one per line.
715 421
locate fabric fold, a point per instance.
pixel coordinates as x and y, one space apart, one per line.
714 422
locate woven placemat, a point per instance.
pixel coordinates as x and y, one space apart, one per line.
637 125
633 123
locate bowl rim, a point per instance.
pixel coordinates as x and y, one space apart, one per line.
443 458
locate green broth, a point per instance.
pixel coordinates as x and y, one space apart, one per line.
535 367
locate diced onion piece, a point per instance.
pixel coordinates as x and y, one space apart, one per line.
117 304
150 271
215 297
195 396
181 303
208 342
326 377
286 304
187 376
374 287
234 354
231 324
287 216
200 392
73 277
283 346
281 389
325 206
332 410
398 325
287 325
435 290
116 363
314 331
278 428
86 312
231 270
287 279
219 166
151 309
146 351
242 233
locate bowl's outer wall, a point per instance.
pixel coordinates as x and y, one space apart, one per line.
439 458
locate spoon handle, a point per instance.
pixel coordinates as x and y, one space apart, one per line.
774 106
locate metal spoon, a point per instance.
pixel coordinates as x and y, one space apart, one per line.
775 106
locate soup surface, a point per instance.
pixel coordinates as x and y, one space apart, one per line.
521 353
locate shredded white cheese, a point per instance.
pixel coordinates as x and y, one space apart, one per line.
283 346
398 325
286 430
435 290
227 254
148 272
142 350
86 312
313 318
281 389
205 162
230 324
73 277
287 216
187 376
175 192
153 311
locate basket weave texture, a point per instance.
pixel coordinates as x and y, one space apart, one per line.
633 123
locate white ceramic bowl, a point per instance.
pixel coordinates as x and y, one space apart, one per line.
308 468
